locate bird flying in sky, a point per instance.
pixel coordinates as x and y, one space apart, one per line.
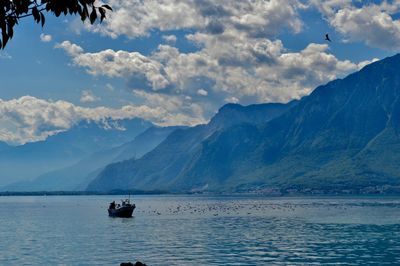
327 38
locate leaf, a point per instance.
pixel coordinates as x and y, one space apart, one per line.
83 16
10 30
93 16
5 39
35 14
4 34
107 7
102 14
85 11
42 18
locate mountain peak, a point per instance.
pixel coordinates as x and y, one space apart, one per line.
231 113
344 136
234 106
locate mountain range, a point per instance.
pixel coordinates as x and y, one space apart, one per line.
344 136
78 175
159 168
30 160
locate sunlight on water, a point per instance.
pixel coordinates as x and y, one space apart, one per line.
189 230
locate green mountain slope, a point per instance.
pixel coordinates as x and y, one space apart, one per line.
160 167
343 136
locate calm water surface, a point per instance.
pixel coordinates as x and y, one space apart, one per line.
189 230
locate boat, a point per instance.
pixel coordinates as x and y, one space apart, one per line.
123 210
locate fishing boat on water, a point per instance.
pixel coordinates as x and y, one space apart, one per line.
124 210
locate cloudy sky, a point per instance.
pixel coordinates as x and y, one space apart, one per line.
177 61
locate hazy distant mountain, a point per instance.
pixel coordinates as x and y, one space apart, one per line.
345 135
66 148
160 166
144 142
78 175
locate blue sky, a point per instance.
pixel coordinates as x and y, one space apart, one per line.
176 62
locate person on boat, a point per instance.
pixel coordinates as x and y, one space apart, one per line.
112 205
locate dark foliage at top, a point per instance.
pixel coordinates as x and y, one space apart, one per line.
11 11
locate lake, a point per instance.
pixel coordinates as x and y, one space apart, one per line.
200 230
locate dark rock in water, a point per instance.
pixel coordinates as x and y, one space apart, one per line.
138 263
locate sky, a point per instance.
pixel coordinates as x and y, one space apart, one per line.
176 62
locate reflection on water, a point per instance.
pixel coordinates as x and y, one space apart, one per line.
188 230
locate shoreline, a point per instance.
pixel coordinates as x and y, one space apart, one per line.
208 194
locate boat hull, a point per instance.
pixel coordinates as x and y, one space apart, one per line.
123 212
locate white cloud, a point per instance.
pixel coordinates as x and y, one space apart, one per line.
177 109
254 68
117 64
202 92
87 96
239 56
374 24
169 38
230 65
239 59
137 18
45 37
232 100
71 48
28 118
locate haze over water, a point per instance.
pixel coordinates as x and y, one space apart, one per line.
200 230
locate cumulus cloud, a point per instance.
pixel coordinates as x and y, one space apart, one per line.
177 108
372 23
45 37
117 64
228 65
202 92
169 38
71 48
28 118
257 68
87 96
239 57
137 18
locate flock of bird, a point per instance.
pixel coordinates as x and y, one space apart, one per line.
234 208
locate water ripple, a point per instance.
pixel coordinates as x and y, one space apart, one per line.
188 230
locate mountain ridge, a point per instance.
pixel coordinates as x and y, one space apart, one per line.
318 140
65 148
170 157
344 135
77 176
